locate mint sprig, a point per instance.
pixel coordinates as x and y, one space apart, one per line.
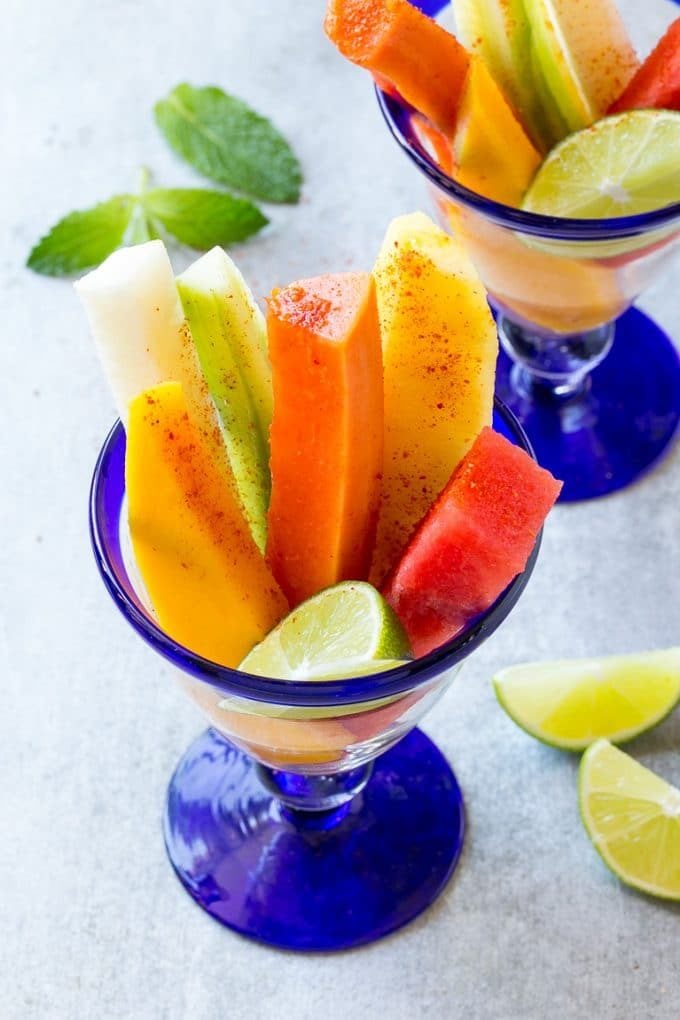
198 217
227 141
221 137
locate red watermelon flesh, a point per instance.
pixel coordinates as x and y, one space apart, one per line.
656 85
366 725
474 540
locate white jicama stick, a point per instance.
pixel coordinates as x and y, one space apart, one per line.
138 326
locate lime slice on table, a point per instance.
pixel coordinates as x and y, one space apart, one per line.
348 630
633 818
620 166
571 703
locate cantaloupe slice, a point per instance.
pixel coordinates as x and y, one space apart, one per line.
207 580
281 742
402 48
439 354
327 432
411 54
276 742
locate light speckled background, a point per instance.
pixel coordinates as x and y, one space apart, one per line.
92 921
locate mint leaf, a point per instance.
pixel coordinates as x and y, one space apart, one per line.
139 229
227 141
203 218
83 239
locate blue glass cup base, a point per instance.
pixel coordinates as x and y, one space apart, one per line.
306 887
621 426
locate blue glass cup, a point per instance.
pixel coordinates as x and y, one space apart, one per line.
310 816
595 383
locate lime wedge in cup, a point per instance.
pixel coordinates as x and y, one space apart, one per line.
571 703
633 819
348 630
621 166
343 631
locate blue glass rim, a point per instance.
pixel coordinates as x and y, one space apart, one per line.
398 116
105 545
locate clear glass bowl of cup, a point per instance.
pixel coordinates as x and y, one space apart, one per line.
594 381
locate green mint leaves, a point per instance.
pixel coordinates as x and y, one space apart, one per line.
227 141
202 218
222 138
83 239
198 217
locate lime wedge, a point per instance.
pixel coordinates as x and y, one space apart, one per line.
348 630
621 166
571 703
344 631
633 818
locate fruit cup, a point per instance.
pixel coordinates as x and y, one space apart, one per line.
310 816
595 383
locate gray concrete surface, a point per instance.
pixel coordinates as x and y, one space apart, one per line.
92 922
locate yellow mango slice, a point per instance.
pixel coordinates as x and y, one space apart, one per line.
560 294
493 154
207 580
439 354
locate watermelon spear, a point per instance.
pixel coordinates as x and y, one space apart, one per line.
471 544
656 85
